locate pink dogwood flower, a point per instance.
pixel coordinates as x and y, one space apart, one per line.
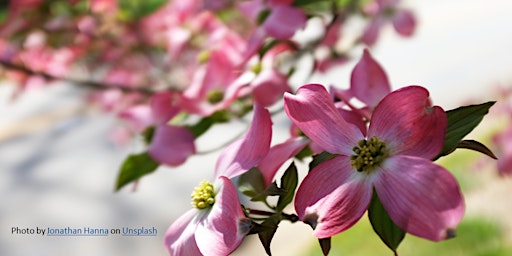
278 18
384 11
264 81
171 144
215 84
217 224
405 132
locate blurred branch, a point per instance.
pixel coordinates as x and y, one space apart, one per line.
84 83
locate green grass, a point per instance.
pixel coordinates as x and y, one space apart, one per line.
476 237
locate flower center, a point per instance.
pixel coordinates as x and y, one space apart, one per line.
368 154
215 96
203 195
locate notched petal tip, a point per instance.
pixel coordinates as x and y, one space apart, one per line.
450 233
311 219
245 226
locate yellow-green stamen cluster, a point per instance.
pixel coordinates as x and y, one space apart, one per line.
215 96
203 195
203 57
368 154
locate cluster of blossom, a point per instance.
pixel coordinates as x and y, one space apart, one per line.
214 53
356 167
500 133
503 138
174 69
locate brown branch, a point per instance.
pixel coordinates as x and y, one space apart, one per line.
84 83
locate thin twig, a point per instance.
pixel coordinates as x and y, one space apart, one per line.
84 83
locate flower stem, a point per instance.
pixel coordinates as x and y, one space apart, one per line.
285 216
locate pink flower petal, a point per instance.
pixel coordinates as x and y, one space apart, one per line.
333 197
171 145
163 107
353 118
404 22
255 42
221 231
283 21
369 81
312 110
250 9
219 74
407 122
179 238
269 86
372 32
139 117
422 198
246 152
333 33
279 154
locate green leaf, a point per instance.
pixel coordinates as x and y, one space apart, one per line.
136 9
134 167
476 146
319 158
204 124
266 47
325 244
251 183
289 182
307 2
3 16
269 229
271 190
305 152
147 134
4 5
382 224
262 16
461 121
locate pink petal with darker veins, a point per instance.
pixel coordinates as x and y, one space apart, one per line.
408 123
354 118
278 154
422 198
333 197
312 110
369 82
246 152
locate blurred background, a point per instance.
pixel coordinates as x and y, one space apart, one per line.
58 166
